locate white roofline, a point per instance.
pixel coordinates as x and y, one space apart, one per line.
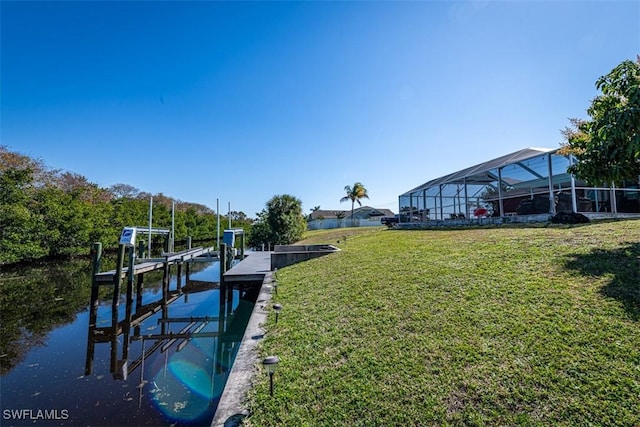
524 154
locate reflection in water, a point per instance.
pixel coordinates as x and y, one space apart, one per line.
163 361
33 300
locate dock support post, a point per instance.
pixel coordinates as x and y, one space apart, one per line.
97 260
141 246
117 283
188 267
242 246
130 274
179 276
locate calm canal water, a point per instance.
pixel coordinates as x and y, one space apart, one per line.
54 372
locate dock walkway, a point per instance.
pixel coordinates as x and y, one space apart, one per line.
108 277
251 269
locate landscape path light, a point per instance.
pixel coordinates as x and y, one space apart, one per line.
270 364
277 308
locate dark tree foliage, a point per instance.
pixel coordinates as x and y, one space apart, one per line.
281 223
607 145
46 213
19 227
260 233
285 219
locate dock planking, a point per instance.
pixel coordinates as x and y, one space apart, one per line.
252 268
145 267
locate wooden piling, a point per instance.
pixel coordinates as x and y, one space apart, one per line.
130 274
141 248
242 246
97 260
129 302
179 276
117 283
188 272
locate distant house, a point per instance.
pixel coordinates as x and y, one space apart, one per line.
324 214
367 212
364 212
362 216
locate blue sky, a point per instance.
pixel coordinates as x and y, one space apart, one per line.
240 101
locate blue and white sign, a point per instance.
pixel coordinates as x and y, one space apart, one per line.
128 236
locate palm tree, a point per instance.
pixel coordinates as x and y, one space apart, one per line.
354 194
310 217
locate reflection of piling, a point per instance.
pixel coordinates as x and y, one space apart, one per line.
121 367
93 306
113 365
139 286
129 305
223 260
117 280
117 284
165 282
222 303
179 277
188 264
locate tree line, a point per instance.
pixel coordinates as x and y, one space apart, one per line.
51 213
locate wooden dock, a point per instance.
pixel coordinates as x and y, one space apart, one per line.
252 268
157 264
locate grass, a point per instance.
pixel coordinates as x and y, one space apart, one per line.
487 326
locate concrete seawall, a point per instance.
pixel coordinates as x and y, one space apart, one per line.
285 255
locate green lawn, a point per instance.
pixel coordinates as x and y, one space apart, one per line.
488 326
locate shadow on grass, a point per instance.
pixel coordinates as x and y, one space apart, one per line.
624 264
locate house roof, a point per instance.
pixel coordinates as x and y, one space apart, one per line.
330 214
323 213
481 173
372 211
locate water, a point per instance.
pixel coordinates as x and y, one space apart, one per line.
55 373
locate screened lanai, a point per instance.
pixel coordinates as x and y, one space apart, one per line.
528 182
